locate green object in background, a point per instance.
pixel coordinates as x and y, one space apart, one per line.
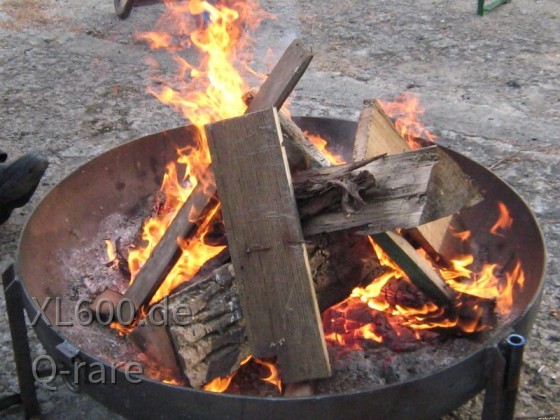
483 9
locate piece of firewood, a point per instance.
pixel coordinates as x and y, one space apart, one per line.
381 136
282 79
151 336
416 268
301 152
453 190
206 320
167 251
403 194
266 244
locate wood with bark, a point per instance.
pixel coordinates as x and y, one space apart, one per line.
449 183
403 194
266 244
206 320
435 237
207 327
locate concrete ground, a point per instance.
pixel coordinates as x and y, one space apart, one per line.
73 83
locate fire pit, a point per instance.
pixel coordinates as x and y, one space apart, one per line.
120 181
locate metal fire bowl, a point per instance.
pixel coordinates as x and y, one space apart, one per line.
118 180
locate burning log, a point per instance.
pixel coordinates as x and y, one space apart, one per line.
152 337
417 269
377 135
167 251
266 245
206 321
207 328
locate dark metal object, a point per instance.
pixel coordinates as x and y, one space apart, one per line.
20 344
494 394
123 8
513 353
485 8
121 178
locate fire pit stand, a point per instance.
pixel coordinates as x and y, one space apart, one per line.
503 362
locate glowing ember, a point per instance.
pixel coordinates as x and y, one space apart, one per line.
220 385
406 110
371 314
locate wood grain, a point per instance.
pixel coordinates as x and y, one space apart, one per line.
283 78
267 246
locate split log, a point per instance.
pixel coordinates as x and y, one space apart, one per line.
266 244
401 196
206 320
167 251
378 136
152 337
417 269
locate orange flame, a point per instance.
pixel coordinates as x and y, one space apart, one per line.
406 110
274 376
504 221
356 320
321 144
220 385
214 91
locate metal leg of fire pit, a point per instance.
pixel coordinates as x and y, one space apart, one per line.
513 352
504 367
20 343
485 8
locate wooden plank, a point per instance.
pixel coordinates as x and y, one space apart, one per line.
380 137
267 246
283 78
415 267
167 252
360 142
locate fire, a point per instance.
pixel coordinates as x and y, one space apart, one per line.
370 315
406 110
321 144
504 221
206 91
220 385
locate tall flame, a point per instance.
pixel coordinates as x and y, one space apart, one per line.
210 90
406 110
